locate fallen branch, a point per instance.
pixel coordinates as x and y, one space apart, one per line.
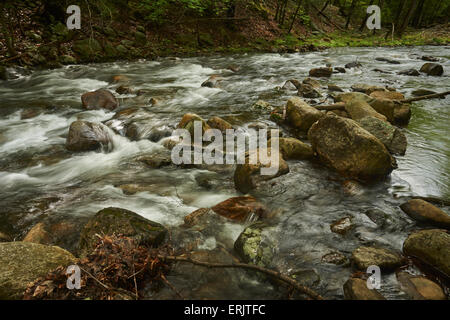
309 292
428 96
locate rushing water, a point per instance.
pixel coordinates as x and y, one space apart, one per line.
39 178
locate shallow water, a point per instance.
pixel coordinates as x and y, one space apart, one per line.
38 178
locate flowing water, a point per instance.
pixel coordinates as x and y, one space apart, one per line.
40 179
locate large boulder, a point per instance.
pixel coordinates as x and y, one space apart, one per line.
87 136
387 260
348 148
356 289
248 176
300 115
117 221
244 208
419 287
254 246
392 137
432 69
395 112
24 262
423 211
358 109
321 72
99 99
293 149
431 247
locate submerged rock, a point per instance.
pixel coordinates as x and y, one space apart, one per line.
241 209
356 289
24 262
431 247
348 148
419 287
423 211
87 136
432 69
120 221
387 260
300 115
99 99
342 226
391 61
353 64
336 258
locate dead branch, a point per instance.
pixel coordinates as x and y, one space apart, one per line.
336 106
309 292
428 96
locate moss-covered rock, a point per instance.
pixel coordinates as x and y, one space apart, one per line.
253 247
387 260
121 221
356 289
24 262
358 109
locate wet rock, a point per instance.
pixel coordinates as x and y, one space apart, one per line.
352 188
87 136
432 69
387 260
252 246
24 262
335 88
188 120
196 216
38 234
212 82
321 72
365 88
336 258
248 176
353 64
4 237
293 149
377 216
410 72
244 208
101 98
157 161
359 109
356 289
261 105
158 133
219 123
120 221
419 287
307 277
342 226
392 95
341 113
311 82
423 211
395 112
120 78
392 137
422 92
391 61
233 68
381 71
30 113
133 188
300 115
430 58
431 247
348 96
124 90
365 158
307 91
291 84
340 69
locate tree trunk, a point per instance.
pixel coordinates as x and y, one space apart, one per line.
295 15
401 29
350 13
363 24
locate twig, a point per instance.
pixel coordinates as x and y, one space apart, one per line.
429 96
336 106
101 283
311 293
171 286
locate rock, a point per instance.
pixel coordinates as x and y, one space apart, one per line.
291 85
348 96
261 105
336 258
30 113
87 136
120 221
38 234
196 216
321 72
335 88
354 64
431 247
396 113
101 98
340 69
240 209
392 137
300 115
381 71
423 211
307 91
392 95
219 123
430 58
432 69
352 188
341 113
211 82
248 176
422 92
24 262
419 287
187 122
387 260
358 109
365 88
253 247
4 237
365 157
157 161
293 149
387 60
233 68
307 277
356 289
120 78
311 82
124 90
410 72
140 38
342 226
377 216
